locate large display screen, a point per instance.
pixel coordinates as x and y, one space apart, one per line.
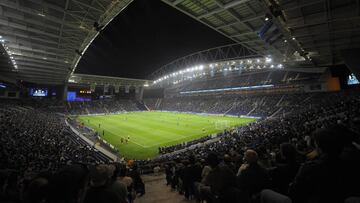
352 80
71 96
38 92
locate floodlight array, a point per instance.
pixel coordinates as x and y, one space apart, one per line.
199 71
10 54
227 89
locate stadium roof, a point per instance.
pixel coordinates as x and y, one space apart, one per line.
45 39
317 29
106 80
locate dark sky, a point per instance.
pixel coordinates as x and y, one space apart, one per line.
145 36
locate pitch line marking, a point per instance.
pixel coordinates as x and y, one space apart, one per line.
129 140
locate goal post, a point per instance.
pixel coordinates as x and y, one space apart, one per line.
221 125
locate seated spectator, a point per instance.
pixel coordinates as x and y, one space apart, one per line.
37 190
122 176
351 159
135 175
251 177
102 188
285 170
219 179
192 174
229 163
69 184
157 169
319 180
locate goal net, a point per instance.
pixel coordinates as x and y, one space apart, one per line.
221 125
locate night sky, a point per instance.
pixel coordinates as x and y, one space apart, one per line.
145 36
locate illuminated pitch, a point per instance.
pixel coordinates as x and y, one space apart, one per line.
150 130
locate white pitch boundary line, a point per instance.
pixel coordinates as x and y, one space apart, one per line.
143 146
129 140
183 137
174 140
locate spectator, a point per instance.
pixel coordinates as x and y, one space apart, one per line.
219 179
251 177
135 175
102 188
320 180
285 170
122 177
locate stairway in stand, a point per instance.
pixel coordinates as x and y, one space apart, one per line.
158 192
141 106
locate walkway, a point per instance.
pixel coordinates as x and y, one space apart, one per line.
158 192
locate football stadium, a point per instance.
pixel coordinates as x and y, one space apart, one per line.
169 101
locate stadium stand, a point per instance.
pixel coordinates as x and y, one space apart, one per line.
101 106
30 127
266 138
25 124
282 72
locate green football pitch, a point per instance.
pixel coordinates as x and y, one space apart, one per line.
150 130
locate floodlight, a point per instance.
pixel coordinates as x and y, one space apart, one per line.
98 27
267 17
268 59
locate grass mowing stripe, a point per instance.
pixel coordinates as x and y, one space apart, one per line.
149 130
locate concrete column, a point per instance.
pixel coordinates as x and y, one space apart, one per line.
65 91
139 93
